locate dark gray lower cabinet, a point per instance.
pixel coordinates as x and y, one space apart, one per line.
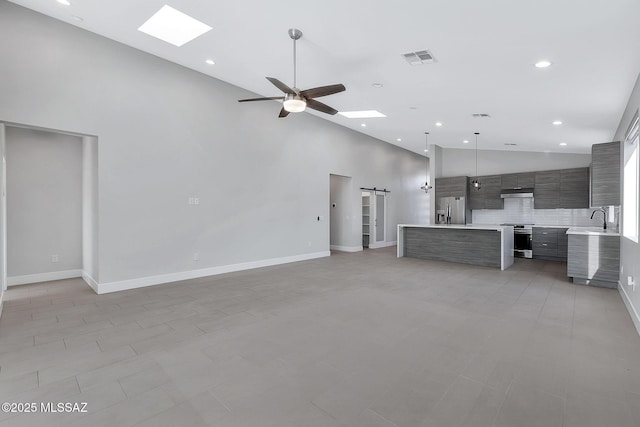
468 246
594 259
549 243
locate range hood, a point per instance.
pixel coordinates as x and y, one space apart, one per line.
516 193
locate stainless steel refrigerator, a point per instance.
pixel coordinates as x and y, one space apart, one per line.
451 210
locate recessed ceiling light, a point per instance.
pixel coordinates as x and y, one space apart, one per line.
543 64
64 2
377 85
172 26
563 144
361 114
466 141
557 123
399 139
438 124
364 125
210 62
426 151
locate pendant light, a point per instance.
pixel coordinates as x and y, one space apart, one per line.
474 182
426 187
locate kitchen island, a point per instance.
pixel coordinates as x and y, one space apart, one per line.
486 245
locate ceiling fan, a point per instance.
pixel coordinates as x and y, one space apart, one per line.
296 100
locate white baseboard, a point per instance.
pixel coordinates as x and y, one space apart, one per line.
346 248
378 245
90 281
122 285
43 277
635 317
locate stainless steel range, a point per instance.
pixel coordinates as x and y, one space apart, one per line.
522 242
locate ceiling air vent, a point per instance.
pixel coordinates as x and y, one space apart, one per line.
419 58
481 115
510 144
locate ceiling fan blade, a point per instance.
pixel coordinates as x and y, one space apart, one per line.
317 92
283 87
283 113
319 106
260 99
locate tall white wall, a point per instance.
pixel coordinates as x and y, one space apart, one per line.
90 261
166 133
629 250
44 202
3 217
462 162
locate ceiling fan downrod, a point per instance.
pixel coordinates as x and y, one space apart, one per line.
295 34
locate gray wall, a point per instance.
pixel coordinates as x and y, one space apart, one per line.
90 259
629 250
462 162
44 202
3 217
341 216
166 133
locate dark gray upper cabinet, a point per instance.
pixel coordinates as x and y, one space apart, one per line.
605 174
526 180
518 180
488 196
574 188
509 181
492 188
546 190
476 196
451 187
566 188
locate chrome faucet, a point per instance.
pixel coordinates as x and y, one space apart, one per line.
604 213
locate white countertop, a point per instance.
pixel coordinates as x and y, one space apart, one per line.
593 231
461 226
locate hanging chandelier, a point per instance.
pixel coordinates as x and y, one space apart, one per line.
426 187
475 183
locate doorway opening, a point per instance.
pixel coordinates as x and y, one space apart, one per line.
342 236
50 206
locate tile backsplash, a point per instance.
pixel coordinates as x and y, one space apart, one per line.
520 211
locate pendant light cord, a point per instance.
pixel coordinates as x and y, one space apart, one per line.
477 155
426 163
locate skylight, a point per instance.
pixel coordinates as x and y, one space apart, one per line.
361 114
172 26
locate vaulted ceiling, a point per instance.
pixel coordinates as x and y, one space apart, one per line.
484 51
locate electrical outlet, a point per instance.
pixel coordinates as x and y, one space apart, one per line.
55 258
196 256
196 200
631 282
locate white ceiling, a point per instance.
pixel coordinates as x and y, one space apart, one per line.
485 51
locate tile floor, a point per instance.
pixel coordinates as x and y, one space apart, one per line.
361 339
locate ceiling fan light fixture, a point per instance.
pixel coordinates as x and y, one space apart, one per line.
294 103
